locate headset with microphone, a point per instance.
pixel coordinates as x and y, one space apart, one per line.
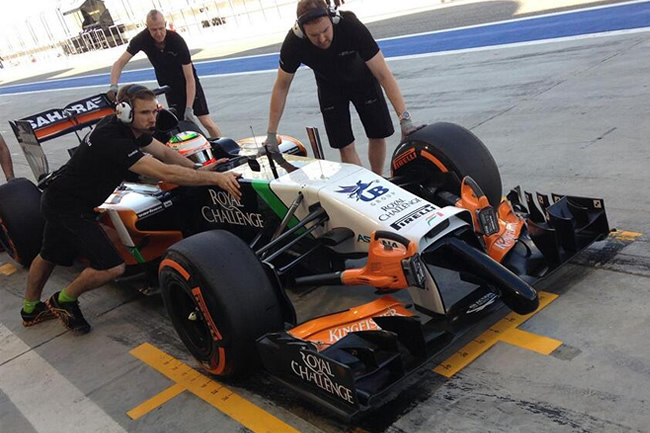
313 14
124 109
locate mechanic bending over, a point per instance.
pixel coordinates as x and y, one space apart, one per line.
349 67
5 160
99 165
170 57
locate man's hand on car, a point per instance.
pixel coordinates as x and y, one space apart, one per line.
189 115
272 142
408 127
228 182
112 93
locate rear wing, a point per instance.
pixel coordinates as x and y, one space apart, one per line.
33 130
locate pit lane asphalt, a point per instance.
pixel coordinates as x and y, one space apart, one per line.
567 116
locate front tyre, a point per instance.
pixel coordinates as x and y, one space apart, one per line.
220 300
440 155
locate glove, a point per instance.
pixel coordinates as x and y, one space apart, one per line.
272 142
112 93
189 114
408 127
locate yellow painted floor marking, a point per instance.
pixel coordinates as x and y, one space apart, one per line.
530 341
7 269
504 330
241 410
156 401
623 235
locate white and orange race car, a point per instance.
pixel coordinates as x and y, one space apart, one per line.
438 231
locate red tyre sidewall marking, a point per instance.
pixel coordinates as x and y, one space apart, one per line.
435 160
176 266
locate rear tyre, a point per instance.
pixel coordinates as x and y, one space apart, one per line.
21 222
220 300
440 155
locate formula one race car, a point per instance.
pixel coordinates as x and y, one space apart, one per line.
437 229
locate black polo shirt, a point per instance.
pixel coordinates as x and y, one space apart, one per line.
343 63
97 167
167 62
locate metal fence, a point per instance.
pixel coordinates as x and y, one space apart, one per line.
60 30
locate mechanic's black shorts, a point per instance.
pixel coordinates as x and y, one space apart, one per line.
176 100
370 103
76 234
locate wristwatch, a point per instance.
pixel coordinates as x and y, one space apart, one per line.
405 116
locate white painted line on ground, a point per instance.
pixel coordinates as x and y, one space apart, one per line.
397 58
520 44
512 20
45 398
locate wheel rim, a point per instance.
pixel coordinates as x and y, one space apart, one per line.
192 323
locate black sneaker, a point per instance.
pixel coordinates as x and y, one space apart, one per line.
40 314
69 313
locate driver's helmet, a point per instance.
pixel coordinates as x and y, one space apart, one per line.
194 146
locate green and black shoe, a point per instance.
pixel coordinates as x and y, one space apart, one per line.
40 314
69 313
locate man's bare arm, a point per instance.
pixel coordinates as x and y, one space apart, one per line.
151 167
167 154
190 86
279 99
5 159
380 70
118 66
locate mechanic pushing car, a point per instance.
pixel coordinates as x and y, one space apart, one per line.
170 57
115 148
349 67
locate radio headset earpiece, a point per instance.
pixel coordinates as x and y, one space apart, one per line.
313 14
124 108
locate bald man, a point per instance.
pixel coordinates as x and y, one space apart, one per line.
171 60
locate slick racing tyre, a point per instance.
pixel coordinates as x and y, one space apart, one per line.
440 155
220 300
21 222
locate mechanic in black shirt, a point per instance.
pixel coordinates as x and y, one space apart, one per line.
349 67
114 149
170 57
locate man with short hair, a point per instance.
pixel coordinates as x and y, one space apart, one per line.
114 149
349 67
171 60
